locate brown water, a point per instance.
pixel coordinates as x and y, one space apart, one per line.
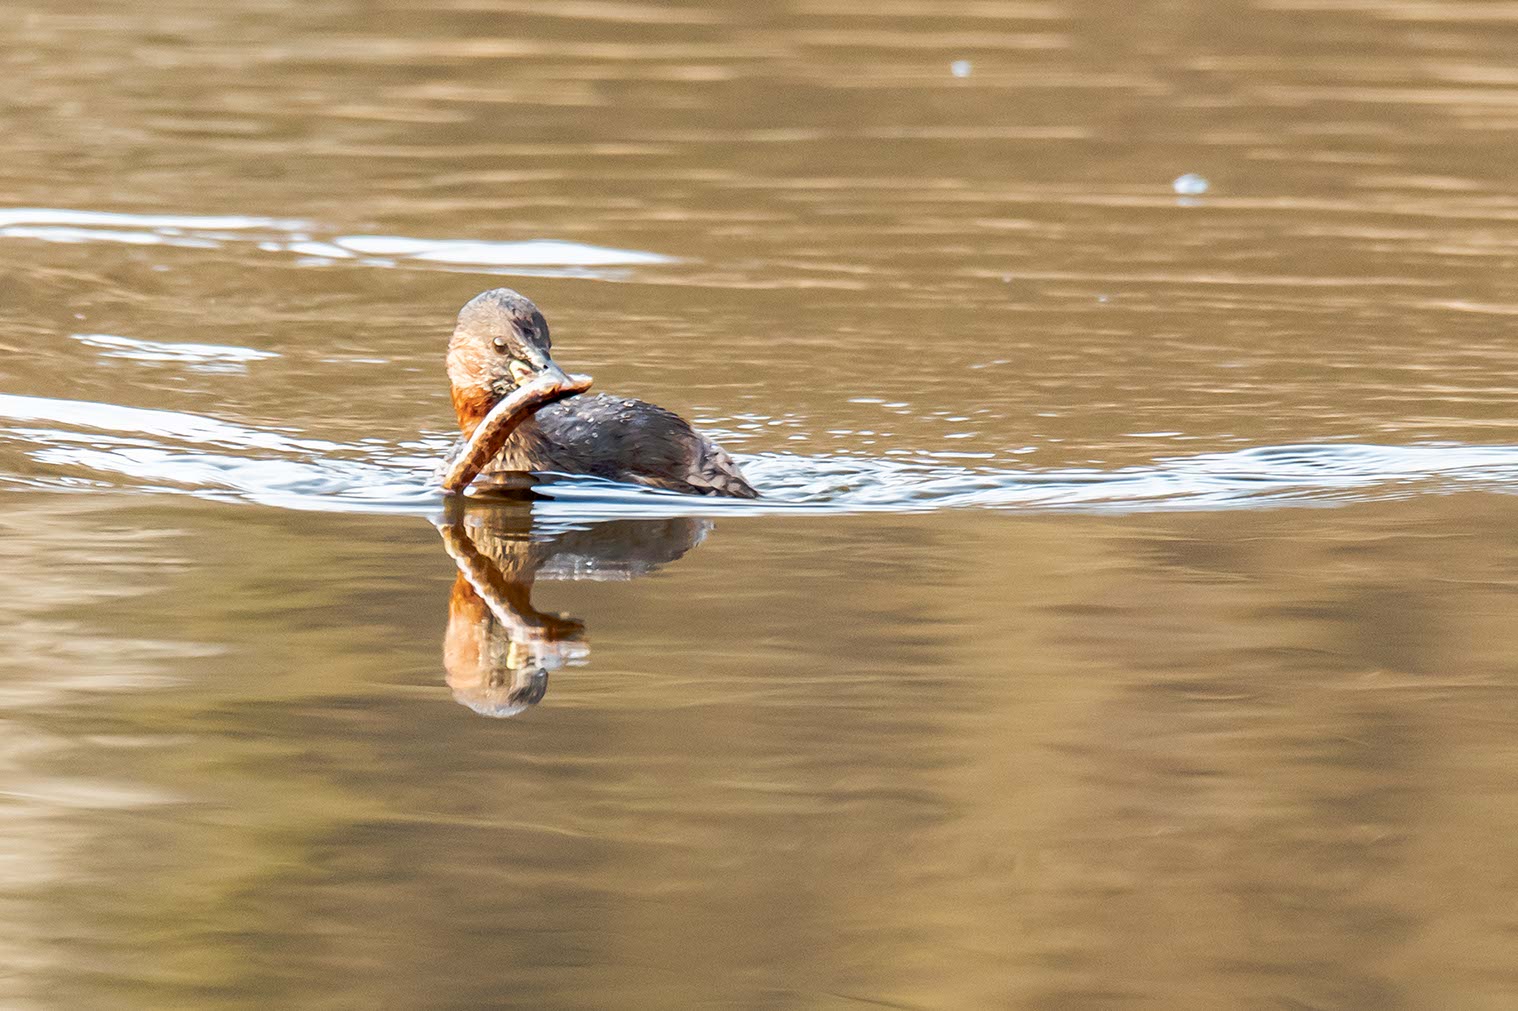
1129 620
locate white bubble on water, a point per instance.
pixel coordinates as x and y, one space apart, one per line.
960 68
1190 185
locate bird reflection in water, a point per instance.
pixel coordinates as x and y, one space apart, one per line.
499 649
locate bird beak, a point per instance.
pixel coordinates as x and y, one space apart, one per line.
538 366
522 373
558 375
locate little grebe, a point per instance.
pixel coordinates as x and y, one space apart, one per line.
500 349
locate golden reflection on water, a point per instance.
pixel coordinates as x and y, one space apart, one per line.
499 649
1198 759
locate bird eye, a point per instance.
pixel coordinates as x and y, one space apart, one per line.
529 332
500 342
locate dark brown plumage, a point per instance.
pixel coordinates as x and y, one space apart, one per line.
502 341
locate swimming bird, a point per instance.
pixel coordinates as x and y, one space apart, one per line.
499 356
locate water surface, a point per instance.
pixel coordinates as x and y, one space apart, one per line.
1127 621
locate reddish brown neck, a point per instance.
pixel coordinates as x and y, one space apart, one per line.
469 365
471 404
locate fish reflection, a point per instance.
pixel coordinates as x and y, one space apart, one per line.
499 649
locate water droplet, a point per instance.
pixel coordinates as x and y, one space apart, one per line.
960 68
1190 185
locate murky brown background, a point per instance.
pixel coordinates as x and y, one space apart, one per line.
1130 622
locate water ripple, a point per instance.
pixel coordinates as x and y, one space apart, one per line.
304 240
202 357
61 444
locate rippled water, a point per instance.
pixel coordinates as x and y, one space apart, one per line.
148 450
1126 620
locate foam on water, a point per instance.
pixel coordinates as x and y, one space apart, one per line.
63 444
